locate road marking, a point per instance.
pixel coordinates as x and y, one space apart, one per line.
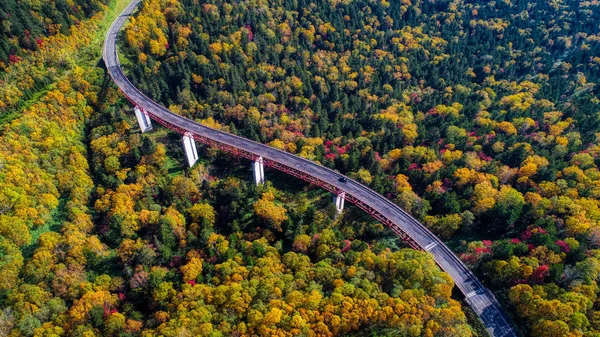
451 261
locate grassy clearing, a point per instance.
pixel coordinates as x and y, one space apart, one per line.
57 217
94 52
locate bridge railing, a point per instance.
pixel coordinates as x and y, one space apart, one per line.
175 121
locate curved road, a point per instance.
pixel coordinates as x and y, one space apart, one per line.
418 236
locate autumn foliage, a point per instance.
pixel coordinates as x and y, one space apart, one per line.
479 118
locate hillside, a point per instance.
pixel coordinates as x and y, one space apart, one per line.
25 24
104 232
480 118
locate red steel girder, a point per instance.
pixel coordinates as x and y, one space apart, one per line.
291 171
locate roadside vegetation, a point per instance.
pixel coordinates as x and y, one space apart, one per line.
103 231
478 117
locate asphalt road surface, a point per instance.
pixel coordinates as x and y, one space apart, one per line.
476 294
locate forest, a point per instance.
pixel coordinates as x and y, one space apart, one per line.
480 118
25 24
105 232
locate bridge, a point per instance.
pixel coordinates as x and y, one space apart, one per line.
415 234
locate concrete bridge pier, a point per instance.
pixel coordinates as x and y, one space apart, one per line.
258 170
189 145
338 200
143 119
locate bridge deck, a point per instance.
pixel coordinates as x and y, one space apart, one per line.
417 235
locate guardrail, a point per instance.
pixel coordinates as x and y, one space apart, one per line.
399 221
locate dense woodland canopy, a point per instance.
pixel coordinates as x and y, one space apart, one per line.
104 233
481 118
24 24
